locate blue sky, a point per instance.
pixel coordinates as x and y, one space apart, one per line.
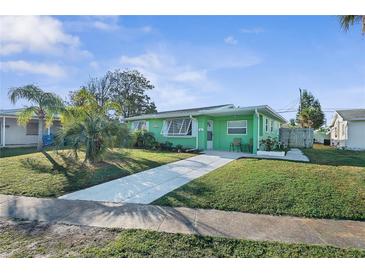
192 60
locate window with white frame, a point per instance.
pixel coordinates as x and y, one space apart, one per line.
139 125
177 127
266 125
237 127
272 126
32 128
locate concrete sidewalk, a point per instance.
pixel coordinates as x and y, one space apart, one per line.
146 186
340 233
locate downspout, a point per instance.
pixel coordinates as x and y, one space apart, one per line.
258 129
3 132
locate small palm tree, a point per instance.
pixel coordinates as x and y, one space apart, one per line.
304 118
349 20
44 106
86 125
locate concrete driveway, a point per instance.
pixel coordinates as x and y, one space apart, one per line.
146 186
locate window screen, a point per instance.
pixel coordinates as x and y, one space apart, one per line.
139 125
178 127
237 127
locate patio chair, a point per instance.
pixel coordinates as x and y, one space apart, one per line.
250 146
237 143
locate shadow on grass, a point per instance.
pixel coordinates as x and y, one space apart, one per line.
79 176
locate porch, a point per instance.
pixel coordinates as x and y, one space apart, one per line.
293 154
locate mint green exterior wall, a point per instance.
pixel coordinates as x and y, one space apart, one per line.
265 134
221 138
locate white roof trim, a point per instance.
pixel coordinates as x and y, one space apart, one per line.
218 111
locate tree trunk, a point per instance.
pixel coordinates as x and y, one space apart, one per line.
40 134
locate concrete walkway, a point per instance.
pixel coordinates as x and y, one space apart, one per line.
236 225
294 154
146 186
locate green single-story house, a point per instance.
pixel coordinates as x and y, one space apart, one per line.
212 128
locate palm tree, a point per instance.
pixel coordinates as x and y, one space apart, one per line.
44 106
86 125
305 118
349 20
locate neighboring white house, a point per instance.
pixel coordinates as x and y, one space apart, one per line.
12 134
348 129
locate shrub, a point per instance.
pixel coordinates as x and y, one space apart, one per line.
179 148
144 139
166 146
269 144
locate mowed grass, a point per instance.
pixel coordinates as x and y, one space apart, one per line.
33 239
52 173
331 188
326 155
14 151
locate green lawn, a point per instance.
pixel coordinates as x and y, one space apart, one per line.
14 151
326 155
51 174
32 239
331 187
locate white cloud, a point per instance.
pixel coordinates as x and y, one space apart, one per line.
21 66
177 85
230 40
106 23
252 30
94 65
184 76
39 34
191 76
150 60
146 29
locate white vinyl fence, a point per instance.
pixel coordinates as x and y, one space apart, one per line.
296 137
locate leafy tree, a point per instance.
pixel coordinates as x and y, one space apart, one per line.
292 123
349 20
100 88
88 126
45 105
129 90
310 112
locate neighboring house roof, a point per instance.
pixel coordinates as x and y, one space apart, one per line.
228 109
10 112
15 112
350 115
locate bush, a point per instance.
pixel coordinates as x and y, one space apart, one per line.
166 146
144 139
270 144
179 148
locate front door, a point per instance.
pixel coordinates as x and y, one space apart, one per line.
210 134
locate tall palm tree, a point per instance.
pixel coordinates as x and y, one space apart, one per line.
349 20
44 106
